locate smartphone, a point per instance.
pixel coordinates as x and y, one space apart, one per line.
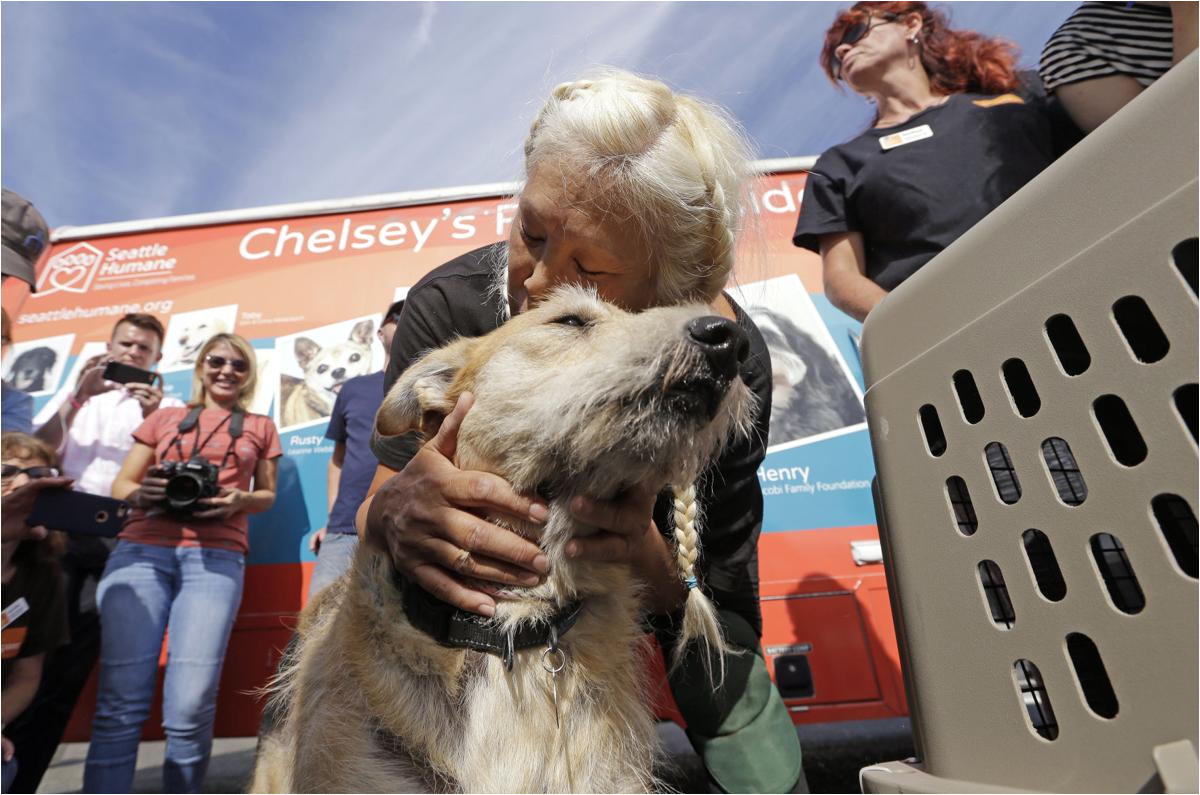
77 512
121 373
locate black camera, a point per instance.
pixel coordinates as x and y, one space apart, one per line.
188 482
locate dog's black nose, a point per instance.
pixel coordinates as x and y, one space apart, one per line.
338 372
724 344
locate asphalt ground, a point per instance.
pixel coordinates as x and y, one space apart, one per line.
833 755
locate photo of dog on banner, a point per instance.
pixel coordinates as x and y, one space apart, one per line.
813 394
36 366
188 331
314 364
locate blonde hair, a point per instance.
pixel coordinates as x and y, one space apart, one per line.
700 619
238 343
673 164
15 444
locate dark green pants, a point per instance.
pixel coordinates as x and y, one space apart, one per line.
741 730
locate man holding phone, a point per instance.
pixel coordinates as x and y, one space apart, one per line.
92 430
82 427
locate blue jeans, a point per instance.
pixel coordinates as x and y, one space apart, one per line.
146 590
334 557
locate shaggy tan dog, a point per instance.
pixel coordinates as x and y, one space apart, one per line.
574 397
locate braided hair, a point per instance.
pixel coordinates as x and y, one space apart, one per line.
699 614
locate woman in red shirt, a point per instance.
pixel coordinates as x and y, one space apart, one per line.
179 566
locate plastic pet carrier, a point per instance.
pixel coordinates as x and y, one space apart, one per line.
1032 405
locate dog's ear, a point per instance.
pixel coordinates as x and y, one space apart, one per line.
306 350
362 331
422 398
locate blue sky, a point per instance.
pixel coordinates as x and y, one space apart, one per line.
119 111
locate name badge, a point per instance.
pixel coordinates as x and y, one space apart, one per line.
13 612
906 137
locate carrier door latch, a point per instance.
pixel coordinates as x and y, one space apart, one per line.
1176 763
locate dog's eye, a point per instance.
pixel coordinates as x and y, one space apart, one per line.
571 320
354 357
322 368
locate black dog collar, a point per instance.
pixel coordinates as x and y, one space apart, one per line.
450 626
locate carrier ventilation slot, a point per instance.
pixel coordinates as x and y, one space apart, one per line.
1178 526
1185 404
1044 565
1140 329
1008 488
995 593
968 396
935 439
1120 431
961 506
1093 679
1184 256
1064 471
1020 387
1034 699
1117 573
1068 346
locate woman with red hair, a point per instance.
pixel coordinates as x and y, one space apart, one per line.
955 134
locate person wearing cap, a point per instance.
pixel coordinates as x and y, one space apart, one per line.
25 237
352 465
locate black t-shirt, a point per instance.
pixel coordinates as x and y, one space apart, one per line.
912 200
35 611
466 297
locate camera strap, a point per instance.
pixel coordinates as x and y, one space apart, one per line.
235 418
238 418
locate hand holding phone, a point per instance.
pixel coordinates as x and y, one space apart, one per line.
91 379
16 506
77 512
148 395
121 373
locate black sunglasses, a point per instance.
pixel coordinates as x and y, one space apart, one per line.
854 34
217 362
9 471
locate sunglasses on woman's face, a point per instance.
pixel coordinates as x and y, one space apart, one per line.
855 33
10 471
218 362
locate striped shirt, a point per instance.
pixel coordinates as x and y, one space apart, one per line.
1103 39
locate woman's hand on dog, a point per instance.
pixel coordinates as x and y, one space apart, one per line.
427 518
628 535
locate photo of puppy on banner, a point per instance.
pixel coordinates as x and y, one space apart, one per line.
188 331
315 363
814 395
36 366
